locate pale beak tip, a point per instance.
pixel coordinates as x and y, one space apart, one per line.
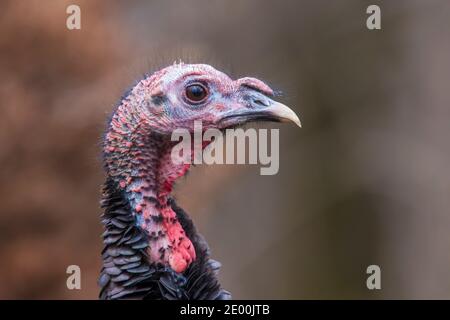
296 120
285 113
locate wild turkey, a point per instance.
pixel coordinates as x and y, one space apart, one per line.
152 249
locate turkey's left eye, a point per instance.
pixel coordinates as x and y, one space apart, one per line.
196 93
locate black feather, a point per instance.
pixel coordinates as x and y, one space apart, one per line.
127 272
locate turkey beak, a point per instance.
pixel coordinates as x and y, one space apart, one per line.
255 106
280 112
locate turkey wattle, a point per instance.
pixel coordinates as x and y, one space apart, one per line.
152 249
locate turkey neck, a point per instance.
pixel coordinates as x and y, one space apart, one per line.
138 160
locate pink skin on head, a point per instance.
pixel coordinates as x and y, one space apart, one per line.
140 161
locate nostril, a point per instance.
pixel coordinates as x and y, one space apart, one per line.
260 102
256 101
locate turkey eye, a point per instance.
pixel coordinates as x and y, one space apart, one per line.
196 93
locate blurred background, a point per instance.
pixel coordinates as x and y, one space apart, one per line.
365 181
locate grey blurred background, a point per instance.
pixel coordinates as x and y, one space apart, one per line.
365 181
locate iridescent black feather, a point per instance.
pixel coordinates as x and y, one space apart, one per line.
126 271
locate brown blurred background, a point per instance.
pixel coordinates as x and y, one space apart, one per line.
365 181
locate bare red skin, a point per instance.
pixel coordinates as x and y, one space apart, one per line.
168 243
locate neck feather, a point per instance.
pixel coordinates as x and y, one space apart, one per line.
138 160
